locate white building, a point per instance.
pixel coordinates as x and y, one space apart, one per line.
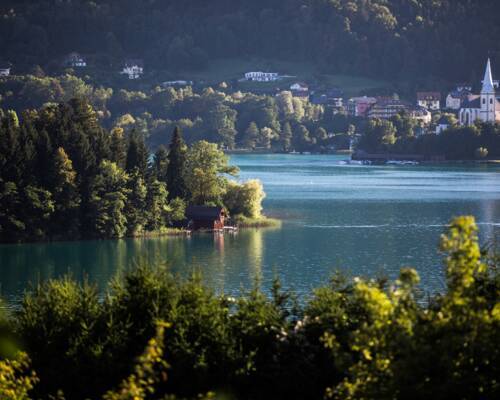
262 76
387 108
429 100
4 71
75 60
455 99
177 83
299 87
421 114
483 107
133 68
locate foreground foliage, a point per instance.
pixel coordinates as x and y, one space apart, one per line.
353 339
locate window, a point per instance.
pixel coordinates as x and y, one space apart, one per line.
484 101
491 101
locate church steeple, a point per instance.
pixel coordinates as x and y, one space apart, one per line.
488 80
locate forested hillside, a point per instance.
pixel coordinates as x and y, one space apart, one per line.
425 40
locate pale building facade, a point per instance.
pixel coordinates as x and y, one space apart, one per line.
429 100
75 60
421 114
262 76
299 87
133 69
387 109
4 71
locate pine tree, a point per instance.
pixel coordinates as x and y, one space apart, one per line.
176 163
37 209
137 155
118 147
157 205
66 196
160 164
286 137
251 136
107 203
12 228
135 207
10 168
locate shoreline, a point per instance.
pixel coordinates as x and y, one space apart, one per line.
246 223
373 158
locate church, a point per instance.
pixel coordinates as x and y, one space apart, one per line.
484 107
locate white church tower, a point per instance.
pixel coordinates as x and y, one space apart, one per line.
488 100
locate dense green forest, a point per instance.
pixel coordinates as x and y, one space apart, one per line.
218 115
351 339
63 176
417 40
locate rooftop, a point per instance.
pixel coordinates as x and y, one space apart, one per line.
430 96
203 212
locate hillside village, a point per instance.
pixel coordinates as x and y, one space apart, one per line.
431 112
458 106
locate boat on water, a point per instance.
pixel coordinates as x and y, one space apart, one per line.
401 162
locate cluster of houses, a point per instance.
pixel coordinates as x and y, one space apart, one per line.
132 68
467 107
388 107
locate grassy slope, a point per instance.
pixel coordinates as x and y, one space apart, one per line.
233 69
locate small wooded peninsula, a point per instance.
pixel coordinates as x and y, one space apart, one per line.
63 176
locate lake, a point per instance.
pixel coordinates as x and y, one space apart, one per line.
363 220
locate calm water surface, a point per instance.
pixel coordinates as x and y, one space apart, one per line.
364 220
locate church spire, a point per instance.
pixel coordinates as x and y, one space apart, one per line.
488 80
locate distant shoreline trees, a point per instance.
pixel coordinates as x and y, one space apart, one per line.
398 136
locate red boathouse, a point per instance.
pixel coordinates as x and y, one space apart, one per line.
205 217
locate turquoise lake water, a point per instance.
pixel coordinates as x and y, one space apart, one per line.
363 220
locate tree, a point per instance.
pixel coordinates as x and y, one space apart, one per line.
320 135
176 166
66 196
378 136
135 206
221 119
108 198
286 137
404 125
137 155
36 212
205 164
302 138
244 199
251 136
160 164
265 137
118 147
177 210
12 227
157 205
